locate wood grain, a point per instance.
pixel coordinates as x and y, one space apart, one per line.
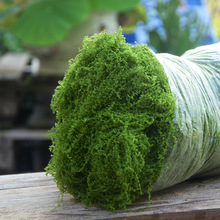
27 196
24 134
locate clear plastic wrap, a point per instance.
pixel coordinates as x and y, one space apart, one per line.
194 79
119 109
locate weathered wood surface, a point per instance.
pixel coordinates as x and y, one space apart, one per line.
24 134
31 196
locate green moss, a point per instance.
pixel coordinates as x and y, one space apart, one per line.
114 112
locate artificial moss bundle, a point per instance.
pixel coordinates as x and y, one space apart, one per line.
114 111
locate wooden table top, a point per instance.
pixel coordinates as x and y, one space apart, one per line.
27 196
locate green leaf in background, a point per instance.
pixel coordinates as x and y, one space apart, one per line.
8 42
46 22
155 39
113 5
7 15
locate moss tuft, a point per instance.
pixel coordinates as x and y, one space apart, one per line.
114 111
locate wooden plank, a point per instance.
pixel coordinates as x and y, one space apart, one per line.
24 134
27 196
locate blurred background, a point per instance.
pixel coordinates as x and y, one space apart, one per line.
38 37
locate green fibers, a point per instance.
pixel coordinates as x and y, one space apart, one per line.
114 120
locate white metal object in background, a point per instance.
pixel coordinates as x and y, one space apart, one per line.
14 65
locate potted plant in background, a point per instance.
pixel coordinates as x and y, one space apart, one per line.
53 30
180 32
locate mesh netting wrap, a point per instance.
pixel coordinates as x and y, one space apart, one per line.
129 121
194 79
